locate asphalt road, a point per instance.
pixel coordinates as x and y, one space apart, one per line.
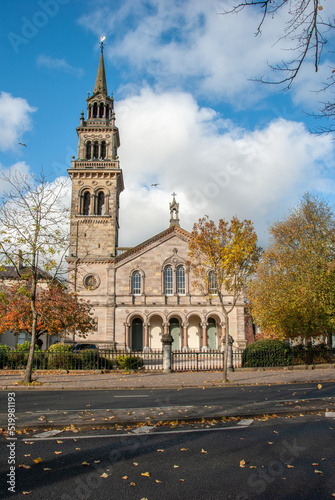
141 398
277 458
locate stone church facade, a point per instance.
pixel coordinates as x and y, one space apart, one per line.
138 293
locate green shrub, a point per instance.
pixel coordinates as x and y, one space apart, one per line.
4 350
129 362
312 354
267 352
58 347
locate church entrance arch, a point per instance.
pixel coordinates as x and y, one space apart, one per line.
212 337
137 335
175 334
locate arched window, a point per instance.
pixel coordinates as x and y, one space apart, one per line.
101 203
136 283
86 203
88 150
103 150
95 150
107 111
95 110
101 110
181 288
168 280
212 289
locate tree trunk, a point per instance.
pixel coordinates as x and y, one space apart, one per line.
29 368
225 358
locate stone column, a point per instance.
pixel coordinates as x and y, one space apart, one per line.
167 350
230 366
127 326
146 338
185 337
204 336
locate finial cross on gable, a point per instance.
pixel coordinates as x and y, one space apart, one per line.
174 194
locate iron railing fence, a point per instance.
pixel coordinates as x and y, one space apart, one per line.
108 359
102 359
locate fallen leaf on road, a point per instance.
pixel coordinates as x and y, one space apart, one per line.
319 386
183 449
175 466
59 442
37 460
135 463
253 467
84 463
160 451
46 468
158 481
242 463
270 442
28 455
58 452
132 484
146 474
315 463
181 480
26 492
97 461
318 471
25 466
125 477
203 451
290 466
104 475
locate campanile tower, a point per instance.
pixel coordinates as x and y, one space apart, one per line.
96 177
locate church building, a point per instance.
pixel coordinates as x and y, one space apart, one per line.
138 293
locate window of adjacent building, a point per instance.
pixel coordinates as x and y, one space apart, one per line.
136 283
168 280
86 203
181 289
212 289
88 150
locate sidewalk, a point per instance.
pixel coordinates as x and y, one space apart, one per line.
118 380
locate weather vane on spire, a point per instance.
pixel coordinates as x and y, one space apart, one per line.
102 39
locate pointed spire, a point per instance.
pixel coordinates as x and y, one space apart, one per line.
100 83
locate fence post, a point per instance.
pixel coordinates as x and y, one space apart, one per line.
167 350
230 366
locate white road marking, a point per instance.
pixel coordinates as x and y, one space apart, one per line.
90 410
245 421
134 396
302 389
330 414
47 433
131 435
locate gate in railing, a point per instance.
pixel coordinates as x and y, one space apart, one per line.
202 361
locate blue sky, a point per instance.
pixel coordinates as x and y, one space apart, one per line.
189 114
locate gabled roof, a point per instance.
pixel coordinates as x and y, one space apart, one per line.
10 273
178 231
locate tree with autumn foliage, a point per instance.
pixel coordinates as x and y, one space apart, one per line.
33 236
58 311
292 293
228 254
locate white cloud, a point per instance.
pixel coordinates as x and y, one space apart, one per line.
15 120
189 44
58 64
220 172
20 167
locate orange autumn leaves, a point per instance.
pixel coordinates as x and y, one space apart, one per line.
57 310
